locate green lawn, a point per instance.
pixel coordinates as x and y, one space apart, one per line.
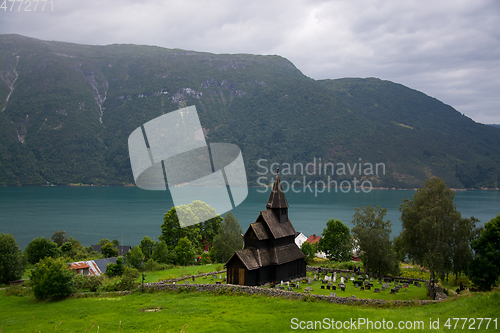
208 312
180 271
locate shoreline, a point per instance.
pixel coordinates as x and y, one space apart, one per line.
373 188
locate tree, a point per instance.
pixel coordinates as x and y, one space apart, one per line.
484 269
51 279
12 261
108 250
209 229
372 234
59 237
115 242
172 232
147 247
184 252
40 248
161 254
433 230
103 242
336 241
309 251
134 257
228 239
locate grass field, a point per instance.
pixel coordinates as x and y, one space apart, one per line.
209 312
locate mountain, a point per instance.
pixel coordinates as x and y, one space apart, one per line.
67 111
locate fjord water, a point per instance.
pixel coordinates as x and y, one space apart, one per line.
92 213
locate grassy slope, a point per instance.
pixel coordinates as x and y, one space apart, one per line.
204 312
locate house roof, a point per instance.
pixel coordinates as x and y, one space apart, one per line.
313 239
277 198
102 263
79 265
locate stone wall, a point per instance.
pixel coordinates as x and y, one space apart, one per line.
276 293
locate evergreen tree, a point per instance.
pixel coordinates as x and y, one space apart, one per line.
228 239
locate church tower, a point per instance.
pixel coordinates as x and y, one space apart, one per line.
277 201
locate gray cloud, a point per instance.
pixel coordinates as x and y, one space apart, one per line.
447 49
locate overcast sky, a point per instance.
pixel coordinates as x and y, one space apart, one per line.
449 50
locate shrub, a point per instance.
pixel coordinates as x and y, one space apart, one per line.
115 269
51 279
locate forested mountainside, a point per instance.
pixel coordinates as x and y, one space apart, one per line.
67 111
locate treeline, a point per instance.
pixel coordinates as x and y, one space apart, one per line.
434 235
47 259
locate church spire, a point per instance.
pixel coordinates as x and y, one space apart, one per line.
277 198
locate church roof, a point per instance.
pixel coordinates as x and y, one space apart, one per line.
277 198
278 230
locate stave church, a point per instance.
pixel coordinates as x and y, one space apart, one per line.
269 253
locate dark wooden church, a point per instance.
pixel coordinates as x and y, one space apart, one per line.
269 253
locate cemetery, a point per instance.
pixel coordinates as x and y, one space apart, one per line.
335 284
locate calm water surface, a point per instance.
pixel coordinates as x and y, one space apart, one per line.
92 213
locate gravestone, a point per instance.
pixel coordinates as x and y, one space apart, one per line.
352 296
309 280
333 294
362 288
383 288
186 282
342 288
323 287
341 279
377 290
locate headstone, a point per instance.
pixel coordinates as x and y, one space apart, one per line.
334 288
220 277
383 288
186 282
328 287
290 288
335 277
341 279
371 279
368 288
315 276
309 280
214 276
352 296
282 282
342 288
297 285
352 278
323 287
362 288
333 294
377 290
217 282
